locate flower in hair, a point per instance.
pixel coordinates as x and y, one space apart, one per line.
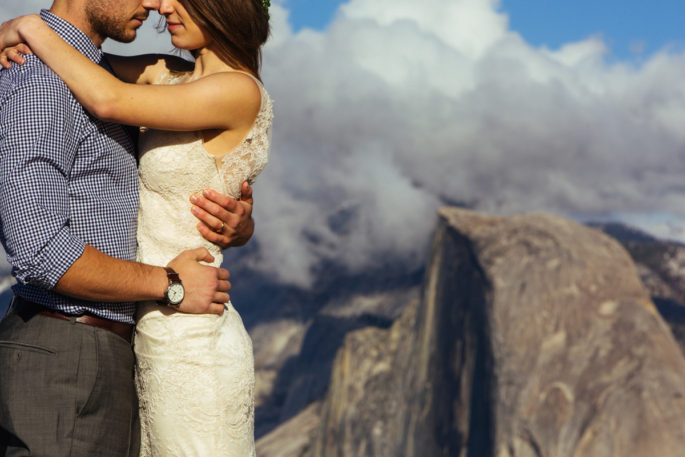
266 4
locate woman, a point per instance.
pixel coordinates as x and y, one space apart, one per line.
206 125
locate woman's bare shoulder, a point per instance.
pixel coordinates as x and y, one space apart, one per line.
238 84
235 95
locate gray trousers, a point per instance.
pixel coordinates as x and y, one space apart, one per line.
66 389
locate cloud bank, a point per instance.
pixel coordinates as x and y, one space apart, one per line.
401 106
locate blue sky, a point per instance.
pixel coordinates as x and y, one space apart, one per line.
633 29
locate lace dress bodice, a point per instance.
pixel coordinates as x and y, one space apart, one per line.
194 373
175 165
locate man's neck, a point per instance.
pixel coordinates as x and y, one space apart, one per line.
74 13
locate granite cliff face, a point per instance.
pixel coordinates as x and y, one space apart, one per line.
533 336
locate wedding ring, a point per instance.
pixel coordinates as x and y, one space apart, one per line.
220 229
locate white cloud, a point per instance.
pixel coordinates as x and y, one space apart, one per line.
468 26
440 101
402 105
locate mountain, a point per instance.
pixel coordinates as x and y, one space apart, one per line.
532 335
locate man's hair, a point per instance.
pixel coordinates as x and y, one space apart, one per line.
239 28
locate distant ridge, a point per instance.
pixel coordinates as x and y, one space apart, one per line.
628 234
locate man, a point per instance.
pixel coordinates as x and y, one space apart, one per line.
68 204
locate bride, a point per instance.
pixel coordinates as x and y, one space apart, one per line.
205 125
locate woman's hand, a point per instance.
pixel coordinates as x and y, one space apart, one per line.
11 37
14 54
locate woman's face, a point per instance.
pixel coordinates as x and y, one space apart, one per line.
185 32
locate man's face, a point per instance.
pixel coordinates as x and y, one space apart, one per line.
118 19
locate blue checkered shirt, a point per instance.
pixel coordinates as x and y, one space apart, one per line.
66 180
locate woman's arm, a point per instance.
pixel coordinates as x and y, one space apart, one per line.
220 101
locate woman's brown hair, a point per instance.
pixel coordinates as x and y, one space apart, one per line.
239 28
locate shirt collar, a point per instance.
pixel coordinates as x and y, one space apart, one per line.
72 35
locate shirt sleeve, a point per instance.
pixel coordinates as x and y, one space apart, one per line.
38 144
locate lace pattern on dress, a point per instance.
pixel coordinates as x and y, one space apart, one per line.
249 158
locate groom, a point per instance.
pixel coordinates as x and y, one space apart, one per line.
68 207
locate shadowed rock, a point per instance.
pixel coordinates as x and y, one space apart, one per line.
661 266
534 337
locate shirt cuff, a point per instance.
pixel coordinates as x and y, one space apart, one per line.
57 257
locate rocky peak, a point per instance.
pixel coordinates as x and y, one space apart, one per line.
533 336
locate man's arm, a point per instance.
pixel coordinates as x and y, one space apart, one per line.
223 220
99 277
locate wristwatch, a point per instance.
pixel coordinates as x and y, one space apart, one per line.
175 292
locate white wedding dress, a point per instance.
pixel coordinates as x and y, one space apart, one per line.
194 373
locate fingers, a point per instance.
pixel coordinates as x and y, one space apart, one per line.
219 206
223 274
246 192
24 49
202 255
222 288
212 222
220 239
214 215
14 56
220 199
217 308
221 297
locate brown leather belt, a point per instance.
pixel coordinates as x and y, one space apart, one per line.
27 309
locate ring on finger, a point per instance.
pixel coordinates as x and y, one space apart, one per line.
220 229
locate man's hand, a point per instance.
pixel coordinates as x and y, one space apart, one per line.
225 221
206 287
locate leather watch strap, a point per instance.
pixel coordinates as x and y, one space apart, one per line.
172 275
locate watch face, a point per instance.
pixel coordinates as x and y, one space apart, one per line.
175 293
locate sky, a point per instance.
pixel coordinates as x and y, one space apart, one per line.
632 29
386 110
